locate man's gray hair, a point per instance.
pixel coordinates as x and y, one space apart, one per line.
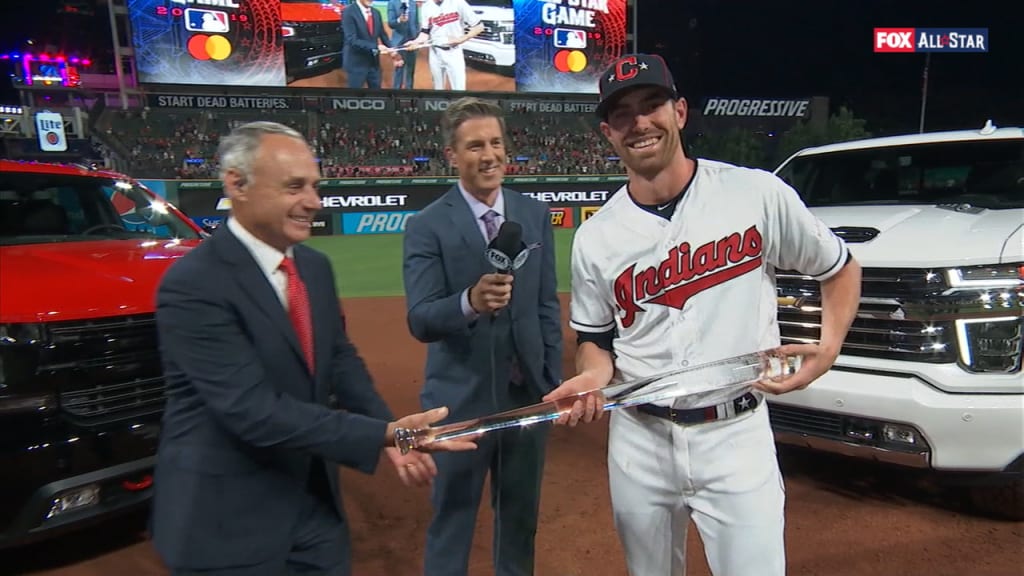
238 149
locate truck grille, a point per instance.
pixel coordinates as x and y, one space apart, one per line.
897 318
493 32
105 370
803 421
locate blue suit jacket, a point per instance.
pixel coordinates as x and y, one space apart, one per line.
244 416
360 49
444 255
402 32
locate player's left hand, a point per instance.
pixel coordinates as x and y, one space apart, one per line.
415 469
580 398
816 361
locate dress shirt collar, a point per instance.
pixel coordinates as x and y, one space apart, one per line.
267 257
479 208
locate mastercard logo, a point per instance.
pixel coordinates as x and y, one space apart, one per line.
209 47
570 61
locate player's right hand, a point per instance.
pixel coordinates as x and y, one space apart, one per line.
587 407
491 293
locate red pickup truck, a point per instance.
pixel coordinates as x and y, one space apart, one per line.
81 386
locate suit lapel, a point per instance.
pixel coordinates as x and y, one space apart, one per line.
463 220
514 213
318 295
252 281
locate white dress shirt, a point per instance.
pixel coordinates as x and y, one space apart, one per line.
267 258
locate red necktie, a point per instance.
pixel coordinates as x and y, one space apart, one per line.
298 310
369 21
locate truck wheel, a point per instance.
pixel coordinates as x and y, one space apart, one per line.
1003 501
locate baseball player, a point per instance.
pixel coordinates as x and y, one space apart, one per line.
444 25
677 269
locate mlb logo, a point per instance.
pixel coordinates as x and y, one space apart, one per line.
567 38
199 20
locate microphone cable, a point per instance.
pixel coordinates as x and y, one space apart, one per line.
508 239
496 482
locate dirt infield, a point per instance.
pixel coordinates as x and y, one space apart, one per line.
845 518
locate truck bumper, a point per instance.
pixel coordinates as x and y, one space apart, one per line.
491 53
899 417
63 481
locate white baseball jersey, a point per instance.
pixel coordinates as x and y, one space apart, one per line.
446 20
701 286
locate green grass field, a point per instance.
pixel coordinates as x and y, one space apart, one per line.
371 265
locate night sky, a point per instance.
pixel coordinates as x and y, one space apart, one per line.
747 48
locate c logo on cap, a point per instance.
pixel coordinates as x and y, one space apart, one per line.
621 73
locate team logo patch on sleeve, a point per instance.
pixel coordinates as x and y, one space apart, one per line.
685 273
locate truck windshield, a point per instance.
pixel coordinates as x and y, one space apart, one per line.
37 208
986 174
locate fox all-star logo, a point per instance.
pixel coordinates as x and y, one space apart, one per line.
686 272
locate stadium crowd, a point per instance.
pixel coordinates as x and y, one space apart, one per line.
181 143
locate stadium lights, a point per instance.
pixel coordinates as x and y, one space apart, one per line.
43 57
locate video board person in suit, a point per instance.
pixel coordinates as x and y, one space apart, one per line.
403 18
365 42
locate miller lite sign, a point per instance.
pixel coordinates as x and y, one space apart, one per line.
50 130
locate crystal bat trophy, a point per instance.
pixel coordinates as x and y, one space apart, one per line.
690 386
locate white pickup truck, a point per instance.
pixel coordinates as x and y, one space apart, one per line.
930 373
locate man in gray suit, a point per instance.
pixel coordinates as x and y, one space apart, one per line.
404 20
495 341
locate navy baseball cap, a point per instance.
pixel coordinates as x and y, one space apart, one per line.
631 71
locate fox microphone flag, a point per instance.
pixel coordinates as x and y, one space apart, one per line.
506 251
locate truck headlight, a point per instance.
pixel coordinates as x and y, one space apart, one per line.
990 344
990 340
987 277
19 358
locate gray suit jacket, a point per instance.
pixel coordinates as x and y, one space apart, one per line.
444 255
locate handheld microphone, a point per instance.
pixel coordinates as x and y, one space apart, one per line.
506 251
405 7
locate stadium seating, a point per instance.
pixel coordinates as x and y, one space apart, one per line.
406 140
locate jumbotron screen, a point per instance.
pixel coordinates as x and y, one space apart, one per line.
551 46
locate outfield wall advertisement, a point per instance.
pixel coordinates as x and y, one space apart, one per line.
384 205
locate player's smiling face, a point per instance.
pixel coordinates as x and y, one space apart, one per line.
643 127
479 155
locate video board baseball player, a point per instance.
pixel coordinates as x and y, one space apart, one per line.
445 26
676 269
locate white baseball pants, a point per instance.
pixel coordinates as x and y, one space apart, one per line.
450 63
723 474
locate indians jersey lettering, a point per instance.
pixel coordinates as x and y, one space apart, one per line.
700 286
446 20
685 272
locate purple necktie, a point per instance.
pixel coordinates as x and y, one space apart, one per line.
491 224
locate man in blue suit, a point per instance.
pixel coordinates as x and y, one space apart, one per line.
494 341
365 41
266 395
404 20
